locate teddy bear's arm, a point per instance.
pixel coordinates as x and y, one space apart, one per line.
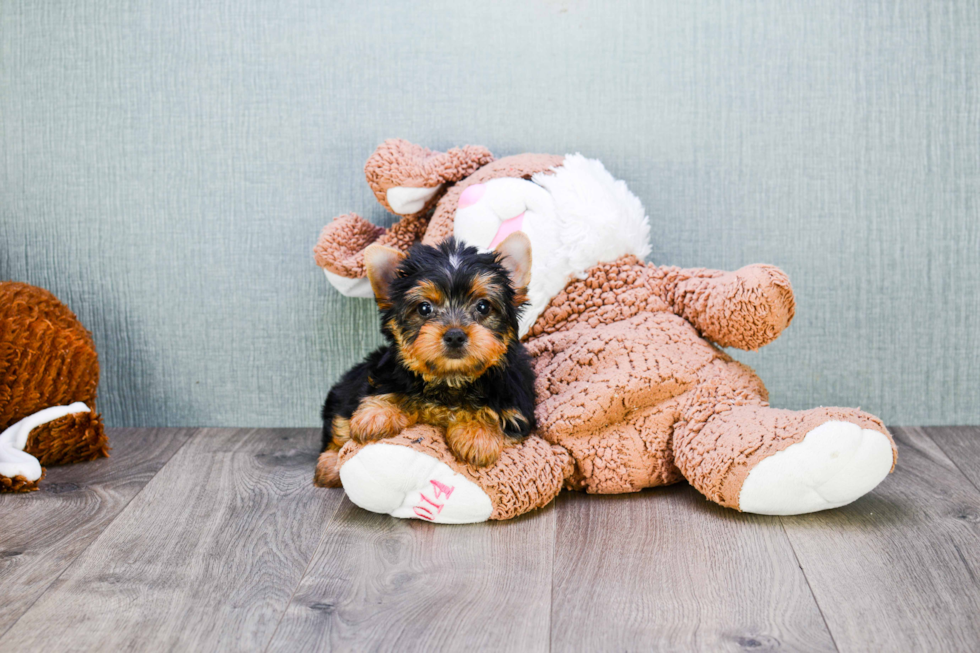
747 308
340 247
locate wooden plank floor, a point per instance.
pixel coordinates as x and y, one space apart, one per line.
214 539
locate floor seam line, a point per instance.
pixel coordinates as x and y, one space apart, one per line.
302 577
554 554
816 601
97 537
951 459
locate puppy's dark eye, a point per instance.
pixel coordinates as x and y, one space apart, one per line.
425 309
483 307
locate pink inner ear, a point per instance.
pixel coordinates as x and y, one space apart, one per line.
472 195
507 227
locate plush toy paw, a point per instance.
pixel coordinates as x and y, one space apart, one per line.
833 465
406 483
414 475
760 303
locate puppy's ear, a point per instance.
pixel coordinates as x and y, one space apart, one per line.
382 266
515 256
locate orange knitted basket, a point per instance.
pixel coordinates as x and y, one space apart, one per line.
47 359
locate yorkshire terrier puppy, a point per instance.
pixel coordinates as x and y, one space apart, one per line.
452 357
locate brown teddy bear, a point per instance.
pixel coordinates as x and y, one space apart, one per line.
632 388
49 373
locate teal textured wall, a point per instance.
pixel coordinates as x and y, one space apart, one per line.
165 168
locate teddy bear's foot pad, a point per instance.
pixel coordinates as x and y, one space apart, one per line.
835 464
401 482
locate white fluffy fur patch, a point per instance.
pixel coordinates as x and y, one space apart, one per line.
599 219
584 216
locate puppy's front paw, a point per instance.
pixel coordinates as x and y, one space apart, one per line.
475 443
514 424
327 472
377 418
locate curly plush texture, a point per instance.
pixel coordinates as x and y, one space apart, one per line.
74 438
398 162
629 384
342 242
746 309
19 484
47 358
340 247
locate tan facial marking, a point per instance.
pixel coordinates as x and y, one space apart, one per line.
482 285
485 349
426 291
426 355
422 355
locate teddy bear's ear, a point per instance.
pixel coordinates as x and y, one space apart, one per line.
382 267
406 177
515 256
405 200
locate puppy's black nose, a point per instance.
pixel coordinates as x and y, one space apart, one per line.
454 337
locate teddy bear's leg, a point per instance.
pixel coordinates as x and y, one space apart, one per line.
627 455
742 454
414 475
